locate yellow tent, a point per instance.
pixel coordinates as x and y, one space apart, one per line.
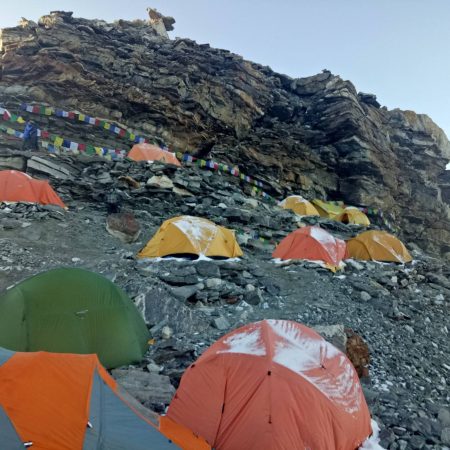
378 246
327 209
299 205
353 215
191 235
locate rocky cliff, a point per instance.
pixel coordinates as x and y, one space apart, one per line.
317 135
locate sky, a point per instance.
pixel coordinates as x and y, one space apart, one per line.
396 49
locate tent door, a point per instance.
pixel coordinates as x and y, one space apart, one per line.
9 438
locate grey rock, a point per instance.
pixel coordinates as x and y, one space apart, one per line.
208 269
365 296
416 442
445 436
253 297
444 417
159 307
148 388
335 334
220 323
213 283
184 293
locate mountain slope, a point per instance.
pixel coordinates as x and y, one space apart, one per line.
314 135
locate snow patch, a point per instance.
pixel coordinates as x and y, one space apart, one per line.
372 442
200 232
327 240
246 342
298 198
302 354
322 236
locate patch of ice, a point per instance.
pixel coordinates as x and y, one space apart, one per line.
159 259
322 236
299 198
301 354
200 232
280 261
248 343
372 442
327 240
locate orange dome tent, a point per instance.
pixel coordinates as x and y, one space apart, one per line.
299 205
273 385
378 246
313 244
20 187
54 401
148 152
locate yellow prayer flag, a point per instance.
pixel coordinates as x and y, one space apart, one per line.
58 141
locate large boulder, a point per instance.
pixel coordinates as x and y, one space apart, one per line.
123 226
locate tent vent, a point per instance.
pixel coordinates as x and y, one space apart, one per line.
27 444
89 424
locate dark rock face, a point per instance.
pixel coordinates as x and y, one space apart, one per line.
316 135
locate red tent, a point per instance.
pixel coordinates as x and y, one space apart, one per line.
314 244
148 152
273 385
19 187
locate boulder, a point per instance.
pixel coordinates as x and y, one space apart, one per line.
123 226
358 353
149 388
159 305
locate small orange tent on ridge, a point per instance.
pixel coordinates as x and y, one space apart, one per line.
273 385
378 246
149 152
313 244
18 186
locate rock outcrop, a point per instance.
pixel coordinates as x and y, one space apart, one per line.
317 135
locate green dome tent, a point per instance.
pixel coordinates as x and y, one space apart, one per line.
73 311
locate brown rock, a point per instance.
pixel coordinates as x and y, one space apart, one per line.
358 353
123 226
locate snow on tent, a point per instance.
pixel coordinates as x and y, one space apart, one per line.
148 152
378 246
188 235
53 401
18 186
354 216
312 244
327 209
273 385
73 311
299 205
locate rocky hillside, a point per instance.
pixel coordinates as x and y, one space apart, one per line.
317 135
399 313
